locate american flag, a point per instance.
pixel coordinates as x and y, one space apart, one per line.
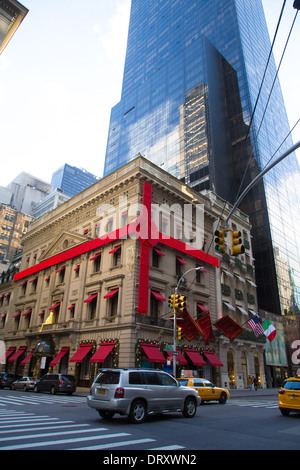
256 326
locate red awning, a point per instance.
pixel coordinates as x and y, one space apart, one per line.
158 296
8 353
61 269
89 299
95 257
32 280
26 359
17 314
54 306
213 359
202 308
180 357
195 357
18 353
102 352
180 260
160 253
81 353
27 313
57 358
115 249
153 353
111 294
72 306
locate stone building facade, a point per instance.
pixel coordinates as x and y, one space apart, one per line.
94 282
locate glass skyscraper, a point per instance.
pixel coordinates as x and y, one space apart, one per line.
72 180
192 75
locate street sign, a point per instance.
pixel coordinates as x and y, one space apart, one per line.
168 347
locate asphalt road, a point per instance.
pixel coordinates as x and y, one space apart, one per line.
248 421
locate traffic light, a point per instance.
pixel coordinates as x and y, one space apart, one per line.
171 301
180 303
297 4
220 241
179 333
236 243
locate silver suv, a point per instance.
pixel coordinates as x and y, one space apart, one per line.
139 392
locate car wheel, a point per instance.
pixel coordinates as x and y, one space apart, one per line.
12 387
105 414
138 412
223 398
284 411
25 388
36 389
52 391
190 407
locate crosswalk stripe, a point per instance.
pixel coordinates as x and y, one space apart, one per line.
115 445
21 400
64 441
24 417
49 434
254 404
31 419
33 425
11 402
172 447
42 428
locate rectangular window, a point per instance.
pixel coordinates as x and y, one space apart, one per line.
113 305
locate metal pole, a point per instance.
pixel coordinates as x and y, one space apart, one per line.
258 177
175 318
174 337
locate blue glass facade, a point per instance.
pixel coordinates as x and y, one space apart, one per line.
72 180
192 74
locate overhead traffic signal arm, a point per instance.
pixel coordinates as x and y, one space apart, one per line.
236 246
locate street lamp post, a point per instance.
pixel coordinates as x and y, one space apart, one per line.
199 268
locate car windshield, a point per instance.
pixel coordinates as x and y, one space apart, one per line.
108 377
292 385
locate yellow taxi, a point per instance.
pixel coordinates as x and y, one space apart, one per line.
289 396
206 390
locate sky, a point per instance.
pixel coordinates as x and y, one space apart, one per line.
62 72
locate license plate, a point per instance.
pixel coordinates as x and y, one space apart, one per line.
100 391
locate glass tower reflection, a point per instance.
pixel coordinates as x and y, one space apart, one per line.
192 74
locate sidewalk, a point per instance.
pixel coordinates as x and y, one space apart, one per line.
261 392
